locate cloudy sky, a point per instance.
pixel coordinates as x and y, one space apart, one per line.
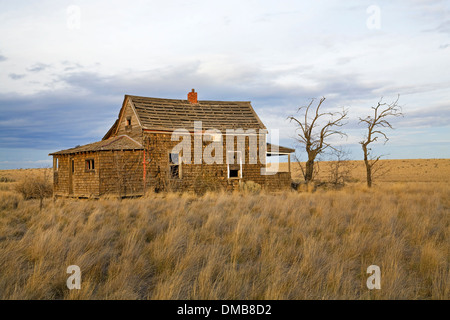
66 65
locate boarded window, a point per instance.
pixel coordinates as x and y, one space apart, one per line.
174 165
90 165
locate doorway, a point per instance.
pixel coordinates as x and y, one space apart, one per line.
71 171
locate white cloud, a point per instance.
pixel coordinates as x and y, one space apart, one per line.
278 54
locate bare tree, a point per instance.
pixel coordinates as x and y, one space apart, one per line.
314 134
37 185
316 168
375 129
340 167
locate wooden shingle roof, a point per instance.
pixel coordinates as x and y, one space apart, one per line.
116 143
170 114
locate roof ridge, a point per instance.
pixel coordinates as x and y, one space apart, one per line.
180 113
222 101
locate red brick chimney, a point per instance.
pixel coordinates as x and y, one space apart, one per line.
192 96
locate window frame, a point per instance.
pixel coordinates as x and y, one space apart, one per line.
56 164
172 164
240 165
128 122
89 165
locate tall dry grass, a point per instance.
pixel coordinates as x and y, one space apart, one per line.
288 245
401 170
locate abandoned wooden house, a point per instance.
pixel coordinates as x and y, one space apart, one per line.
139 152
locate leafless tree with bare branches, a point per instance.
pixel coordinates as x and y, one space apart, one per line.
340 167
376 124
314 134
36 186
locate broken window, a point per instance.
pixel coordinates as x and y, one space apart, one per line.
234 164
234 173
55 164
73 166
128 124
174 165
90 165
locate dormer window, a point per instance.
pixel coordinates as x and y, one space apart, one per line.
128 124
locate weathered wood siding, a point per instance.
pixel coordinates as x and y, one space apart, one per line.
194 177
121 173
81 182
61 175
135 130
86 182
278 181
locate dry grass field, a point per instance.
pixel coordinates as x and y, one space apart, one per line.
308 244
397 171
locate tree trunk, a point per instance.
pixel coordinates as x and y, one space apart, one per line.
368 167
368 173
309 170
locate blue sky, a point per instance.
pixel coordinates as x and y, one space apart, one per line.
66 65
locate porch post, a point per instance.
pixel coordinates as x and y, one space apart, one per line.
289 163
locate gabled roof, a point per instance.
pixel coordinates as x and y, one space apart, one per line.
116 143
170 114
111 130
